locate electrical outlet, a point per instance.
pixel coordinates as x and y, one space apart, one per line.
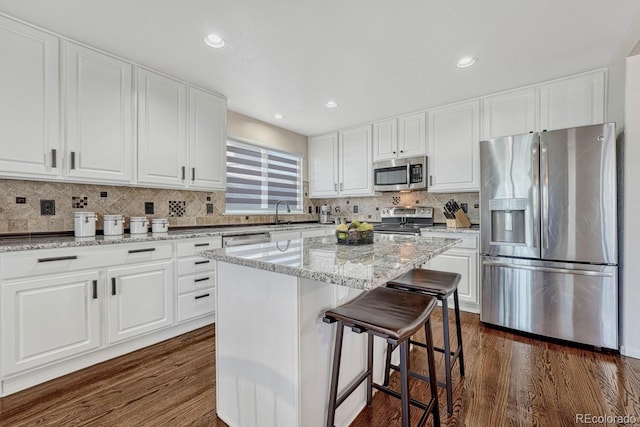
310 211
21 200
355 208
47 207
464 207
148 208
103 194
476 206
209 208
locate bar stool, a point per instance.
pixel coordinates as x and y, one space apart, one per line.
439 284
393 315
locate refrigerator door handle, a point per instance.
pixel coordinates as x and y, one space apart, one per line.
548 269
544 186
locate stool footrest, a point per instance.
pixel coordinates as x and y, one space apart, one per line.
356 383
426 407
421 377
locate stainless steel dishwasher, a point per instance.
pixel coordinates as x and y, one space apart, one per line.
245 239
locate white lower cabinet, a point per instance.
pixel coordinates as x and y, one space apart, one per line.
462 259
65 309
196 291
48 319
140 299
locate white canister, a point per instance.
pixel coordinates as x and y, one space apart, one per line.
113 225
84 224
159 225
138 225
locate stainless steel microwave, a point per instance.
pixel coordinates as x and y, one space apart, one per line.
400 174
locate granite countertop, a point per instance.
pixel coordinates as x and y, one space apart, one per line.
322 259
13 244
474 229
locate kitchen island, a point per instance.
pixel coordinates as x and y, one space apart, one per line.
273 352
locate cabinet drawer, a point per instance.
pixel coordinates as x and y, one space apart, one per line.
192 247
194 282
469 241
38 262
196 304
195 265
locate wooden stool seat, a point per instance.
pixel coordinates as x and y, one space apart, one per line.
395 316
441 285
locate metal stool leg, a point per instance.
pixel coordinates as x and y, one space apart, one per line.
387 365
459 332
447 355
369 368
333 393
433 384
404 383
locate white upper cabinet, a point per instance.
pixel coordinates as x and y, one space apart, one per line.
99 132
341 164
399 137
162 136
412 135
30 102
356 162
509 113
573 101
454 135
207 140
323 165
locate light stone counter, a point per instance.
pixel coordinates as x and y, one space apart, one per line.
474 229
12 244
321 259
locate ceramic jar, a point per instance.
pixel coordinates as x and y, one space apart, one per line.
138 225
113 225
84 224
159 225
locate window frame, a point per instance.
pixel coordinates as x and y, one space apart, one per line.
276 151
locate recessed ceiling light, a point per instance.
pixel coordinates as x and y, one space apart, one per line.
331 104
466 62
278 116
214 40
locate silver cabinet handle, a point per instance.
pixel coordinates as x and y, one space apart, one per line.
202 296
184 171
54 159
137 251
202 279
430 180
547 269
335 186
200 244
341 186
193 174
73 160
206 261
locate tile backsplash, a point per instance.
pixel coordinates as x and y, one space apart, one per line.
181 207
20 205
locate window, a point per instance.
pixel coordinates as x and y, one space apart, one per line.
258 177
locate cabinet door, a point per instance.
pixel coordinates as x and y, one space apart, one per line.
99 122
49 319
385 140
140 299
356 162
412 135
574 101
29 109
509 113
454 136
323 165
162 143
464 262
207 140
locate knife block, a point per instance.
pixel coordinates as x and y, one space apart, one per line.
461 221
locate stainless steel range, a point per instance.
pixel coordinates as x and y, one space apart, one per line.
404 220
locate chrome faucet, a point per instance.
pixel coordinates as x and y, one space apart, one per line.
278 203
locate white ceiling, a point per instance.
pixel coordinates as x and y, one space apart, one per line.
377 58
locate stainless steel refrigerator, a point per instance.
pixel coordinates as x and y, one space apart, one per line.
549 234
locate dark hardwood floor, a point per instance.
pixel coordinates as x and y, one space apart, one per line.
510 380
